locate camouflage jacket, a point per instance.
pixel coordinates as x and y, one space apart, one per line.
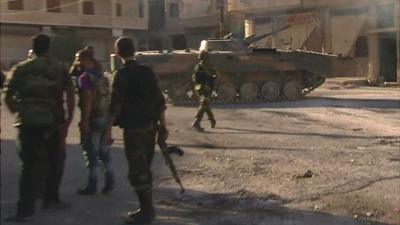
35 92
204 76
136 98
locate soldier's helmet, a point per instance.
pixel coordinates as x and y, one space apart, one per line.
203 55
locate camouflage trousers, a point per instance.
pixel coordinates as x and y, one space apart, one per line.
204 107
139 150
43 156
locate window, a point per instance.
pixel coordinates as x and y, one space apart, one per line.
88 8
141 9
16 5
119 10
53 6
173 10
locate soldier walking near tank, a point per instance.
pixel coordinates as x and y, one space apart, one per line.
137 106
94 103
204 81
35 92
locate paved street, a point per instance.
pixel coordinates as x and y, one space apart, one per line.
245 171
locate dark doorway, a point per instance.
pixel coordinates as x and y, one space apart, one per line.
388 58
156 44
179 41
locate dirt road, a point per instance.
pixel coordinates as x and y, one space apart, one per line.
332 158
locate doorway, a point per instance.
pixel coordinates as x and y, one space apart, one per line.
388 58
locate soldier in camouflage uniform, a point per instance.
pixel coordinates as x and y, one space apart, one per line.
35 92
204 81
137 106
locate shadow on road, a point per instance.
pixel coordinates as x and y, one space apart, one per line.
248 131
221 147
345 188
194 207
243 207
315 102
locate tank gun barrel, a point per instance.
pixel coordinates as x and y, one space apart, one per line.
251 39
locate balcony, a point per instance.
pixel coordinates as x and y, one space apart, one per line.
74 20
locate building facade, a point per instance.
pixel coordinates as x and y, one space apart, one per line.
179 24
96 23
367 30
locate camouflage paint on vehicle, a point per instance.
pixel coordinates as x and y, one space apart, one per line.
244 73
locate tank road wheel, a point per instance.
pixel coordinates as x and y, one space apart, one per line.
270 91
292 90
226 92
248 91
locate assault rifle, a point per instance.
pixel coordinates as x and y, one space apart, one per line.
166 151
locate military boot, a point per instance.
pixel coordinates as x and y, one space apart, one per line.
145 214
211 117
213 123
196 125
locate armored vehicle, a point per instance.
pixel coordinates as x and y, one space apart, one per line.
245 73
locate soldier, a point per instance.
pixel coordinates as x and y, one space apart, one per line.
137 106
95 100
35 92
204 81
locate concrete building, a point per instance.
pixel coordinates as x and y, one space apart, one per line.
367 30
179 24
95 23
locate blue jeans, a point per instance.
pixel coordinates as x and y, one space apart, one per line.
97 153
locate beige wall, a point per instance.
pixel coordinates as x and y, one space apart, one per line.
102 7
197 8
13 48
344 32
70 8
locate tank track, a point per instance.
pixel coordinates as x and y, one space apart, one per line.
237 100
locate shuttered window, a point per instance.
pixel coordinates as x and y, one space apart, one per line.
16 5
88 8
119 10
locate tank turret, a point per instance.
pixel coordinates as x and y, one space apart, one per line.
230 43
253 38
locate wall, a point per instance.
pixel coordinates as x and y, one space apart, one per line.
345 30
14 48
260 4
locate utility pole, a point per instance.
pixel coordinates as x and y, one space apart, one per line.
221 7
